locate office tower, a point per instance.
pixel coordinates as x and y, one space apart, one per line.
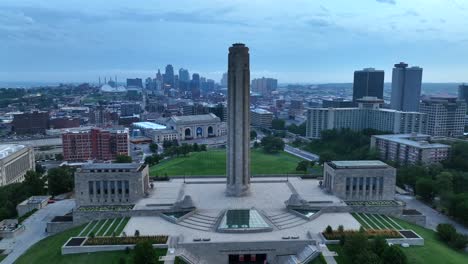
406 87
195 86
184 75
137 83
169 76
238 143
264 86
368 82
445 116
159 76
35 122
224 80
463 92
368 114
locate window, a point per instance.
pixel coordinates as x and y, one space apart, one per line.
367 184
361 183
354 183
105 187
127 190
98 187
91 187
348 183
119 187
112 184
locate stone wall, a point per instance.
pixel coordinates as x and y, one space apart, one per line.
415 219
395 210
57 227
81 217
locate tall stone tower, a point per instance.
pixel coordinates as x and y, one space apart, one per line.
238 140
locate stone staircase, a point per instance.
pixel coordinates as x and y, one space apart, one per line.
199 221
306 255
285 220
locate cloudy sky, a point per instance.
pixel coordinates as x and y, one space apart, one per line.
294 40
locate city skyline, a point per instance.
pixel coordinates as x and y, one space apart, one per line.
305 42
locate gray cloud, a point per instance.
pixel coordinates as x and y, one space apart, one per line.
392 2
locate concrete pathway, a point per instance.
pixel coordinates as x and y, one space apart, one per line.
301 153
328 255
35 229
433 217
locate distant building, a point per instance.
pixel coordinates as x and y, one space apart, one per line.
130 109
195 86
463 92
364 180
264 86
368 114
445 116
337 103
406 87
224 80
195 126
15 161
35 122
64 122
368 82
94 144
111 183
184 75
135 83
409 149
169 76
261 118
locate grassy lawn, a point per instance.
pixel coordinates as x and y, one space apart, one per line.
48 251
213 162
433 252
2 257
318 260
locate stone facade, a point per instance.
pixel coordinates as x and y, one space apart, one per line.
15 161
360 180
195 126
238 142
111 184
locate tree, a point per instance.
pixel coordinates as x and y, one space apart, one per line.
256 144
195 147
40 169
185 149
425 189
149 160
60 180
253 134
366 257
278 124
302 165
340 228
354 244
444 183
326 156
379 245
203 147
34 182
312 163
446 232
458 242
122 158
394 255
272 144
59 156
329 230
153 147
144 253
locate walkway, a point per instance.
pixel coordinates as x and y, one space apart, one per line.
327 254
35 229
433 217
301 153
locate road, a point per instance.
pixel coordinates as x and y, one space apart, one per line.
433 218
35 229
301 153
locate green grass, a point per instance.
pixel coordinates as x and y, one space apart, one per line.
104 227
213 162
88 228
318 260
113 227
121 227
2 257
433 251
48 251
96 227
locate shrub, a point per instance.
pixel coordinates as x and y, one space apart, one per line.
379 245
446 232
329 230
137 233
341 228
459 241
96 241
394 255
144 253
371 233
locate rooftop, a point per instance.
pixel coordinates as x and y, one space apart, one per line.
148 125
8 149
195 118
112 166
358 164
260 111
414 140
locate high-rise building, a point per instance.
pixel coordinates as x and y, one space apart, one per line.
224 80
169 76
136 83
129 109
35 122
368 114
445 116
463 92
94 144
195 86
184 75
368 82
406 87
264 86
238 139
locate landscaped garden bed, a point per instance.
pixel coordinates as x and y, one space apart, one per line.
75 241
100 241
106 208
373 203
408 234
370 233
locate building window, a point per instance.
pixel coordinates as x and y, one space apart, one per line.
354 183
104 186
91 187
348 184
367 184
98 187
119 187
127 190
112 184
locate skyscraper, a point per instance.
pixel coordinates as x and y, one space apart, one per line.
195 85
169 76
406 87
238 143
368 82
184 75
264 86
463 92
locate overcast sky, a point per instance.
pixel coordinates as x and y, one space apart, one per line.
293 40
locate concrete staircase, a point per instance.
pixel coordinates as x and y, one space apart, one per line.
309 253
286 220
199 221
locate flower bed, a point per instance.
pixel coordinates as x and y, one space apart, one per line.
106 208
373 203
99 241
371 233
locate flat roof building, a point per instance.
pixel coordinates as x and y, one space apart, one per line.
409 148
261 117
368 114
111 183
445 116
15 161
360 180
